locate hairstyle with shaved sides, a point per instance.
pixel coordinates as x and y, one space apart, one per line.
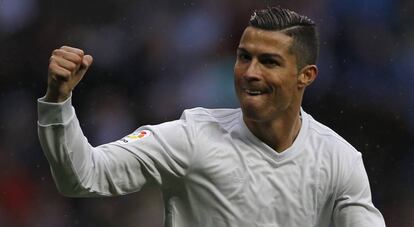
305 44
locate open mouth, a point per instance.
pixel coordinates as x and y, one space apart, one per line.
255 92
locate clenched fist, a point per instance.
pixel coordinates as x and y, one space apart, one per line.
67 66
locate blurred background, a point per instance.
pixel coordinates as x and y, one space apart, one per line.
152 59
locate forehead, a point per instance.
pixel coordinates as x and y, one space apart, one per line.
259 41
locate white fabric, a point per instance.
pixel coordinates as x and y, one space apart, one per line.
215 172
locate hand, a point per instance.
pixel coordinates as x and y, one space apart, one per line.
67 66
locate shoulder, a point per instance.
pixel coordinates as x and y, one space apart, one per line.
327 137
195 119
211 131
337 154
205 115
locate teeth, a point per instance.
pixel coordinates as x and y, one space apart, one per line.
253 92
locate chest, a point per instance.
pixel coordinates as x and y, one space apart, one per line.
258 187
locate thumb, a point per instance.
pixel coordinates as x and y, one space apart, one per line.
86 62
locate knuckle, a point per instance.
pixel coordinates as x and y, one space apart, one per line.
71 67
63 75
54 59
66 74
54 71
52 65
57 52
73 50
78 60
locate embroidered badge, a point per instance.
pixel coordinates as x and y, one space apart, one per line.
135 136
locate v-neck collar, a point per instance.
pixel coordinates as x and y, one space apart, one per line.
290 151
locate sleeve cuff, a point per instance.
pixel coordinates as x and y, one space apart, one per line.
54 113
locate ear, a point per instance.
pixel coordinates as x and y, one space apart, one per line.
307 75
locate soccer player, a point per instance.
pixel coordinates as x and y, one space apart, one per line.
268 163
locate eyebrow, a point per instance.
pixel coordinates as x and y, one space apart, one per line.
266 55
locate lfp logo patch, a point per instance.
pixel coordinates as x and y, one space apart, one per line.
136 136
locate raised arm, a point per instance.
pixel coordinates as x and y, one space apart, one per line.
111 169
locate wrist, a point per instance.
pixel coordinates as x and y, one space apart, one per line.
56 97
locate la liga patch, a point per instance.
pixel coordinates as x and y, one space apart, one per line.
137 135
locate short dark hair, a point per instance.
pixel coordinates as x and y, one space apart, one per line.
305 44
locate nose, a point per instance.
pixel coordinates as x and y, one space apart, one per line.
253 72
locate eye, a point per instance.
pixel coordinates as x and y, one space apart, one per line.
269 62
243 57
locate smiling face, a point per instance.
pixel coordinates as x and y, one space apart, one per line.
266 76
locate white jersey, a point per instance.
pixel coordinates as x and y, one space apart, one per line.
215 172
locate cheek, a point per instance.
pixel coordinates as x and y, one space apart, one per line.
284 89
237 70
286 80
237 74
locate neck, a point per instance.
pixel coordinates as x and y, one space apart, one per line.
278 133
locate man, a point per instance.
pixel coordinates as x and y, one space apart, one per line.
266 164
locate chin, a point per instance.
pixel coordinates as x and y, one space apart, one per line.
260 113
253 113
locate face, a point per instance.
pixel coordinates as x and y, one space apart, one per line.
266 75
